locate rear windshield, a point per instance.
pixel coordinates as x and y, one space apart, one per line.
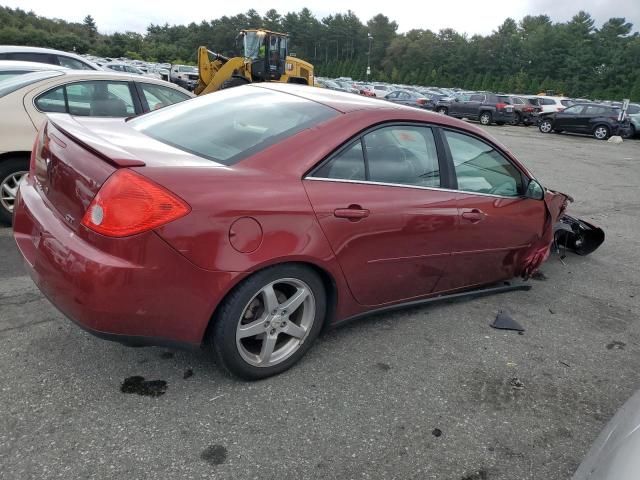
16 83
232 124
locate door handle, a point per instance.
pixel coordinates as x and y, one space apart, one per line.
353 212
474 216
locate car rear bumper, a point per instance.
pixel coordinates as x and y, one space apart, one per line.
136 290
506 117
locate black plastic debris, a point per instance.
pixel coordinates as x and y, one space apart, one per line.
573 234
149 388
504 321
436 432
516 383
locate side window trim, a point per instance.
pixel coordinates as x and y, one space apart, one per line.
139 101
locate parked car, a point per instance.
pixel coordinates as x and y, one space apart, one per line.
12 68
615 453
46 55
348 86
25 100
333 85
173 239
381 90
488 108
408 98
123 67
553 104
365 89
525 110
601 121
184 75
634 116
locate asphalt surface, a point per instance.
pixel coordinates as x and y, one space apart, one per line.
425 393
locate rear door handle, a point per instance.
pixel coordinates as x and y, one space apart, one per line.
353 212
474 216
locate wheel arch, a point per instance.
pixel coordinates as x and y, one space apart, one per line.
328 280
11 155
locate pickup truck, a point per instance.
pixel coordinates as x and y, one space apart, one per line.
487 108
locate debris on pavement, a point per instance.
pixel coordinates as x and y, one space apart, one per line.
570 233
504 321
149 388
516 383
188 373
436 432
214 455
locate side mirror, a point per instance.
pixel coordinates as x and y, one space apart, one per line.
534 190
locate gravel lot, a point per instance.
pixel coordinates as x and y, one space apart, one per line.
424 393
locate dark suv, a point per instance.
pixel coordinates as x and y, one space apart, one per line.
526 110
488 108
601 121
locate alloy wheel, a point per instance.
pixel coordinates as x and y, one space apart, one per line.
275 322
545 126
485 119
9 189
601 132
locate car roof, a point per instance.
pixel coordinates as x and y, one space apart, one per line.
18 64
341 101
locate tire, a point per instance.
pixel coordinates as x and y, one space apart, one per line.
234 82
601 132
486 118
443 110
632 131
241 353
545 125
11 172
517 119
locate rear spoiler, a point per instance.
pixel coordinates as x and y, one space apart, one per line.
84 137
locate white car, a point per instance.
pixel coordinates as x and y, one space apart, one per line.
12 68
136 70
382 91
46 55
27 98
552 104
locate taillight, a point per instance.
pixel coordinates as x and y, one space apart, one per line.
501 106
129 203
560 109
40 145
421 101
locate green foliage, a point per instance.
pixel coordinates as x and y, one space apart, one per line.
575 57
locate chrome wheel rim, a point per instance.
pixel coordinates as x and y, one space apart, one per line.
484 119
275 322
9 189
600 133
545 127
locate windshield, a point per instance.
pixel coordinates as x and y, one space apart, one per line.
12 84
252 43
232 124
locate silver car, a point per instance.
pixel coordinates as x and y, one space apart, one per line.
615 455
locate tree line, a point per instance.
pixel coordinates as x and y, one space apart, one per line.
577 57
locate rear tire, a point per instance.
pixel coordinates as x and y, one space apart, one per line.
281 337
11 172
486 118
234 82
545 125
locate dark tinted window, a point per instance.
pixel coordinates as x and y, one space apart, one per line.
404 155
481 169
231 124
347 165
476 98
16 83
574 110
33 57
594 110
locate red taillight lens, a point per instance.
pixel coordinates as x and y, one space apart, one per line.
129 203
560 109
421 101
501 106
40 145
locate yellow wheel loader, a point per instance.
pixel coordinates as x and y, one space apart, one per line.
265 59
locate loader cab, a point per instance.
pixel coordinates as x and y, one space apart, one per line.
267 51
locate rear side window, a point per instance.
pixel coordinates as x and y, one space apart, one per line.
232 124
566 103
346 165
476 98
98 98
481 169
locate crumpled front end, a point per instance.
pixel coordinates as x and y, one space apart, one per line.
556 204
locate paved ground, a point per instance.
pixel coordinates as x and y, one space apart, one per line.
424 393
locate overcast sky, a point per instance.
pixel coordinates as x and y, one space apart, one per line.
465 16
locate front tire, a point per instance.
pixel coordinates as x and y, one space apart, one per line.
12 171
545 126
269 321
485 118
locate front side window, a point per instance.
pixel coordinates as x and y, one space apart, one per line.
158 96
574 110
72 63
480 168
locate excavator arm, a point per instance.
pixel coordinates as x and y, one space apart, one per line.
213 72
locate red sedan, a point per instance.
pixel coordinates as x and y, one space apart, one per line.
246 220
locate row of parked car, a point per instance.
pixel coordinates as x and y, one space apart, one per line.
36 81
551 113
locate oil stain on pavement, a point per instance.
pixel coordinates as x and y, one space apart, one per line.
214 455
